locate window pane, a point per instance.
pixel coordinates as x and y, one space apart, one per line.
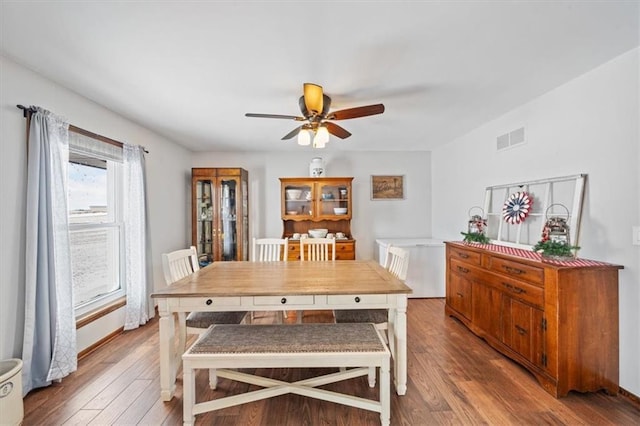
88 189
94 263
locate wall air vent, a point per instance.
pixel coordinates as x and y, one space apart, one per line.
515 137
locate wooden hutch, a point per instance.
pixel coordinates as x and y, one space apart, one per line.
324 202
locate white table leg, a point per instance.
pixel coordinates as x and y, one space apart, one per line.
167 351
400 332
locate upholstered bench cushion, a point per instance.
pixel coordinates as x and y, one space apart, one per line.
206 319
289 338
376 316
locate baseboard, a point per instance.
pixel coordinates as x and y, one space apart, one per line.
635 400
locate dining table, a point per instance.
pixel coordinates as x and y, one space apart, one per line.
277 286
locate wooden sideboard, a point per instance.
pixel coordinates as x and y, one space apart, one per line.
558 320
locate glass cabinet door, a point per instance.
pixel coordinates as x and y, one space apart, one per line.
334 200
227 240
204 220
298 200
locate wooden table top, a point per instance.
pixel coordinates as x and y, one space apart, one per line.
222 279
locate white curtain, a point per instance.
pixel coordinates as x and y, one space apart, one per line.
135 241
49 347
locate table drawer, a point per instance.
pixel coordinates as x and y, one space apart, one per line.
283 300
354 299
517 270
199 302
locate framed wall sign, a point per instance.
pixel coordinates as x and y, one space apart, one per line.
389 187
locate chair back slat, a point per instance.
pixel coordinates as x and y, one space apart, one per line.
397 261
270 249
178 264
317 249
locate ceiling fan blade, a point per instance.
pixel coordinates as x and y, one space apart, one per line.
287 117
313 97
357 112
336 130
292 133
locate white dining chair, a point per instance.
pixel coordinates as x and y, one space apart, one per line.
317 249
270 250
177 265
396 262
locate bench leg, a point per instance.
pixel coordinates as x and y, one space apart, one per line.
372 377
213 378
188 396
385 393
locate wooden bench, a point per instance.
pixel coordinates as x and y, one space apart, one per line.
225 347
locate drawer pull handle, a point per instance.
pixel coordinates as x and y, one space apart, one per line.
357 299
514 271
463 270
521 331
463 255
460 294
283 300
516 290
209 302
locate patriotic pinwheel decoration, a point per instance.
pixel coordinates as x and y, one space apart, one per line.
517 207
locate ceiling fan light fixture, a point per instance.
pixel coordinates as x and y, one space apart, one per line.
304 137
321 138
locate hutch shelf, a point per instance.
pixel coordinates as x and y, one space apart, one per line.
220 221
325 202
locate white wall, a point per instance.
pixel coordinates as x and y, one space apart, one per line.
168 173
370 220
589 125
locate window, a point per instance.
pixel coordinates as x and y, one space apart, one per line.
95 222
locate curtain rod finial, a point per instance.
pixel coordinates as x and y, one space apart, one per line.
26 110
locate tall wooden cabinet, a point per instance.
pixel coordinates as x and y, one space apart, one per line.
220 213
558 321
308 203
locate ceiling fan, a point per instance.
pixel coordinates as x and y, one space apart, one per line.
314 105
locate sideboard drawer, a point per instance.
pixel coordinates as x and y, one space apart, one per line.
283 300
355 299
517 289
517 270
467 256
203 302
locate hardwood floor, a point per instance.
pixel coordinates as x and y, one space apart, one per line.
454 378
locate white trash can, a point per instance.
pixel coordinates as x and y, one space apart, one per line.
11 407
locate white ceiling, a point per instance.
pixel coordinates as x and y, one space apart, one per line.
190 70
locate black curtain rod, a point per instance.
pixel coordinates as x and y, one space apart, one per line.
26 111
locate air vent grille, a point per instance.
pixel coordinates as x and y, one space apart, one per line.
515 137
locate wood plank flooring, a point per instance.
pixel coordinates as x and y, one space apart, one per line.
454 378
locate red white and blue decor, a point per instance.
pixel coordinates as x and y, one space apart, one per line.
517 207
